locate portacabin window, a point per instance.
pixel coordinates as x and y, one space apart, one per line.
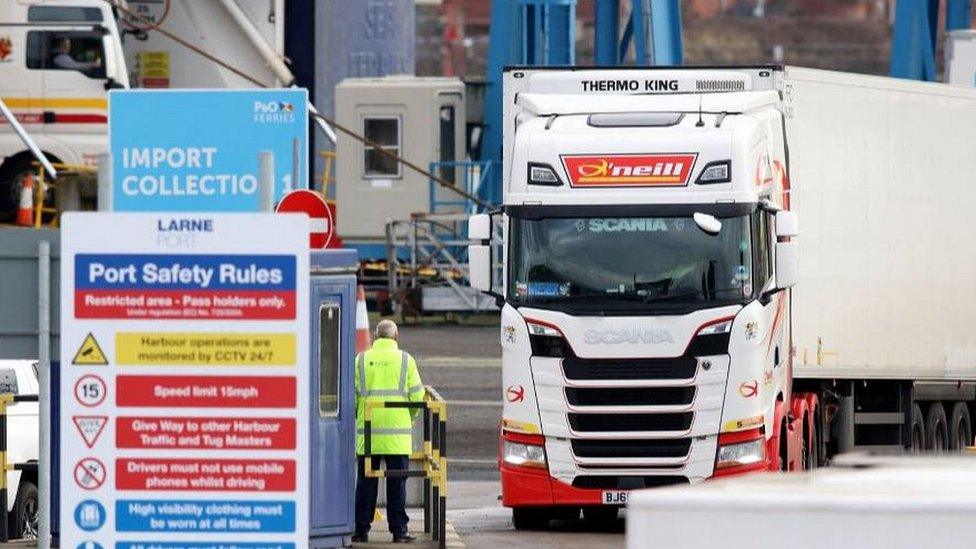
330 341
386 135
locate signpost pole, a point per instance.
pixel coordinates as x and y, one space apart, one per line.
266 181
44 379
105 182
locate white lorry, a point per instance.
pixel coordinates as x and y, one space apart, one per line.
58 59
19 377
651 331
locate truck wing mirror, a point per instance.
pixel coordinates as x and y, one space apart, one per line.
787 265
708 223
787 224
479 252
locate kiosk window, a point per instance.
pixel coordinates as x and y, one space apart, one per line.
329 342
66 50
385 132
447 142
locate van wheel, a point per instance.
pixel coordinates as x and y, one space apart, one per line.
24 517
960 430
530 518
935 427
918 429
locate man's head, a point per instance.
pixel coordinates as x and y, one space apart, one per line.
387 329
63 45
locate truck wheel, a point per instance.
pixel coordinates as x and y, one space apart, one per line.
600 515
809 446
918 429
530 518
784 447
935 428
23 523
960 431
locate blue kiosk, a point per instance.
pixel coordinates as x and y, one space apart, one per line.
333 432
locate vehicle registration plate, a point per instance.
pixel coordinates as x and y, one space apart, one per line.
615 498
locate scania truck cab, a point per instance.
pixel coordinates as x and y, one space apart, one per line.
649 252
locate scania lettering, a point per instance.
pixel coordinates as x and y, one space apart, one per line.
654 308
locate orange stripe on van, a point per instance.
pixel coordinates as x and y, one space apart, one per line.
56 102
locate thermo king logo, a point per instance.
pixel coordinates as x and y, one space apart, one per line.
629 170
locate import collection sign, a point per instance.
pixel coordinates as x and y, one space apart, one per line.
188 391
199 150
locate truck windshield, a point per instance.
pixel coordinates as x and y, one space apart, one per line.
614 263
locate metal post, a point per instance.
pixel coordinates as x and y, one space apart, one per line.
913 39
296 151
665 36
44 381
959 14
105 182
606 31
266 184
4 526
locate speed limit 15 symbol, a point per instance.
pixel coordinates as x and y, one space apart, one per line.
90 390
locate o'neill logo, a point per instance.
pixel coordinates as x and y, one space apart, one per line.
629 170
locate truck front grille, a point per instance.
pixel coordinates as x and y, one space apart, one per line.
630 422
630 369
657 396
611 482
632 448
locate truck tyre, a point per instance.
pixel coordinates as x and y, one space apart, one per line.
808 450
23 523
784 447
960 430
530 518
937 438
600 515
917 442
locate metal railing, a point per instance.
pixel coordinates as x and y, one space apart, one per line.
432 456
466 176
68 174
6 400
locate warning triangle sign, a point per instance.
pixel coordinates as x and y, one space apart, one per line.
90 427
90 353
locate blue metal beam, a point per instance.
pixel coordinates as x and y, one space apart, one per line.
504 47
959 14
666 32
606 31
639 17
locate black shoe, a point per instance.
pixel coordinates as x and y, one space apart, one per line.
360 538
404 538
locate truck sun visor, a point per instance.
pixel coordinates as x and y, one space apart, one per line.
634 119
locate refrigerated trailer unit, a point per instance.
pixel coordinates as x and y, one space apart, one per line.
713 271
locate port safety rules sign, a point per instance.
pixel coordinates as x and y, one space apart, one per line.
185 381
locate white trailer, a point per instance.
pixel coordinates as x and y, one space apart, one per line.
651 331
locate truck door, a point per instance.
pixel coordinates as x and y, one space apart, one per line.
72 64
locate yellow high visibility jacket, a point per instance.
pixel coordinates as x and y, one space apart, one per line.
385 373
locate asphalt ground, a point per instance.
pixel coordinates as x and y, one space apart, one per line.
463 363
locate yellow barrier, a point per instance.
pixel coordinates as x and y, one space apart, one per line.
433 456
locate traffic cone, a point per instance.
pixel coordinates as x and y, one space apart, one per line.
25 213
363 340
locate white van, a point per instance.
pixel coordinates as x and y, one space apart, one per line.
19 377
58 58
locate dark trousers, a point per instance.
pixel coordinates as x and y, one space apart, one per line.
396 495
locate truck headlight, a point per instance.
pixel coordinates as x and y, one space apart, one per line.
543 174
741 453
716 172
525 455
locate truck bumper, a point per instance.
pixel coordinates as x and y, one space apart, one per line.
527 487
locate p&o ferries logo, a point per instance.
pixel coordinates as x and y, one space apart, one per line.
629 170
274 112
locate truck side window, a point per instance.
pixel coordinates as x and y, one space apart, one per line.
8 381
385 132
329 342
762 238
79 51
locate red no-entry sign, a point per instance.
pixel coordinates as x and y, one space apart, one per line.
321 224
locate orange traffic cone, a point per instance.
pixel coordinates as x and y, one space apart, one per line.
25 213
363 340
